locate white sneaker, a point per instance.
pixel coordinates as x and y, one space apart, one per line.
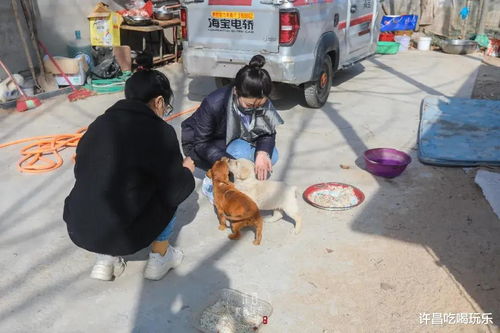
158 265
107 267
207 189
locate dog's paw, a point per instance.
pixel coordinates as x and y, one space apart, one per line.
256 242
234 236
222 227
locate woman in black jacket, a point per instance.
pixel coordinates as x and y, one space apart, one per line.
236 121
130 178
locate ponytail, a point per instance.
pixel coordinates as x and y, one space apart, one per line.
147 83
253 81
144 61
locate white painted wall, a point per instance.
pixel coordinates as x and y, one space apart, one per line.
11 48
445 14
57 21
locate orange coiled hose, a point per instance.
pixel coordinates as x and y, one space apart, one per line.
43 154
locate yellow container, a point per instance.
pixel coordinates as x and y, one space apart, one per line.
104 26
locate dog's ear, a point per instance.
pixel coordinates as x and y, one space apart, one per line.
209 173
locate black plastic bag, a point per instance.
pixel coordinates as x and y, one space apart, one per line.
107 69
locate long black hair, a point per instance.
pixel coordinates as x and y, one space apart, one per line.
252 80
147 83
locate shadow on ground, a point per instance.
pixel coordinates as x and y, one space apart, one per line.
181 297
346 74
443 218
284 96
186 213
488 79
464 244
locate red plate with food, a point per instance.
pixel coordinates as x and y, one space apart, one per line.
333 196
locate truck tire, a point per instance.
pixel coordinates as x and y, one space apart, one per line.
222 82
316 92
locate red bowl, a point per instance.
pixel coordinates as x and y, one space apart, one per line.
310 192
386 162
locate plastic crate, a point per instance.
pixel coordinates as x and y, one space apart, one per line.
387 47
386 37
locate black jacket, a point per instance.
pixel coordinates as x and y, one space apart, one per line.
204 133
129 181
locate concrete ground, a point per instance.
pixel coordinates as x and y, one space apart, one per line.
425 242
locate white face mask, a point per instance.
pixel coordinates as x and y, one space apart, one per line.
257 111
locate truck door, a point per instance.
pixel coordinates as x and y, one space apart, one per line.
359 26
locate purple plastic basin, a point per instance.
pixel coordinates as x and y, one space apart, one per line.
386 162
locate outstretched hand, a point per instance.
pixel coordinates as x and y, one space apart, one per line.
188 163
263 165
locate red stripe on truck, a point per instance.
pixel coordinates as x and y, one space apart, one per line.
230 2
356 21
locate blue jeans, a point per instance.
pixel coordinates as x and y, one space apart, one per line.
239 148
167 232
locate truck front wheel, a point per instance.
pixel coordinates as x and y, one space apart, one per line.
316 92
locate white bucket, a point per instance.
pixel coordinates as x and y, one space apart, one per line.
424 43
404 42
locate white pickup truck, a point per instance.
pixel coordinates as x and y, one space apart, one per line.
304 41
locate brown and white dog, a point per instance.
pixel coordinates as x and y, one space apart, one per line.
269 195
232 204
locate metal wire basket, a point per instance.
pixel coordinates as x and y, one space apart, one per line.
229 308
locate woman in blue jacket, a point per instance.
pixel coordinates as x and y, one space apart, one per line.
236 121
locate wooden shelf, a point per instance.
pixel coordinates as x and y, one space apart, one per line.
168 23
146 28
157 60
156 26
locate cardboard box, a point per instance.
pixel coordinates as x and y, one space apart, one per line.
78 79
104 26
74 68
69 66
